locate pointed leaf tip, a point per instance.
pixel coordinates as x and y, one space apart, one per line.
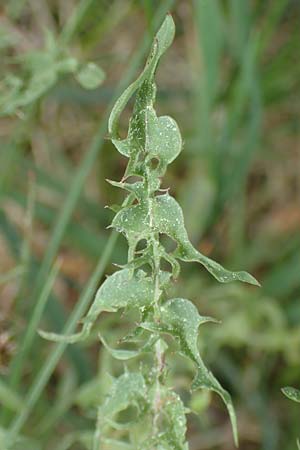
70 339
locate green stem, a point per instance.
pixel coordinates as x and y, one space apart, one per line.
158 347
154 240
159 355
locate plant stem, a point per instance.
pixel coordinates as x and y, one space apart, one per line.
154 239
158 346
159 354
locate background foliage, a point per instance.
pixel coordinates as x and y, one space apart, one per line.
230 80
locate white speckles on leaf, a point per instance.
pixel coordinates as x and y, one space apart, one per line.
120 290
181 319
151 144
292 393
128 389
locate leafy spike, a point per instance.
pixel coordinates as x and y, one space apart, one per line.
151 144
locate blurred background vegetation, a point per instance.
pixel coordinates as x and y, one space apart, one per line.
232 81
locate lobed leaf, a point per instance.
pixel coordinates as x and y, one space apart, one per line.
121 289
167 218
151 144
157 137
127 390
133 222
163 139
162 41
180 318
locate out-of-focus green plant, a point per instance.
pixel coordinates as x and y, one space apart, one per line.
41 71
141 407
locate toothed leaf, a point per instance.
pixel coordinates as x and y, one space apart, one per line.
143 109
121 289
180 318
167 217
169 220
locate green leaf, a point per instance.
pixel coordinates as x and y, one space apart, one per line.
138 188
162 41
66 65
167 217
292 393
163 138
143 110
173 424
90 76
127 390
169 220
123 355
120 290
133 222
175 427
180 318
